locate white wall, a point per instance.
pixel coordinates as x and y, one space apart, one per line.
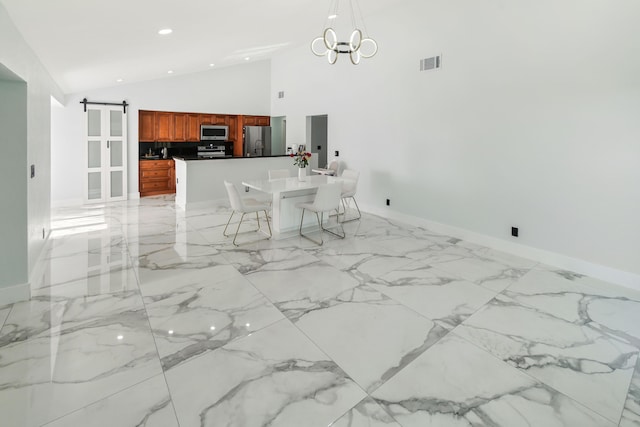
19 59
531 122
243 89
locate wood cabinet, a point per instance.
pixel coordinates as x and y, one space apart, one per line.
256 120
179 127
164 126
206 119
156 177
192 128
146 126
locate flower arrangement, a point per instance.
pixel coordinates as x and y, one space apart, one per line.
301 158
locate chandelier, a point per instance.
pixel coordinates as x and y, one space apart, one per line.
359 45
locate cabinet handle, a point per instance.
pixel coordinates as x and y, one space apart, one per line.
107 144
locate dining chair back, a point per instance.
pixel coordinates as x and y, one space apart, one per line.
327 199
279 173
349 187
238 205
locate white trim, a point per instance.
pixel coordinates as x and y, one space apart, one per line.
134 196
14 293
608 274
66 203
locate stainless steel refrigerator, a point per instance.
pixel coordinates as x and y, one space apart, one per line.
256 141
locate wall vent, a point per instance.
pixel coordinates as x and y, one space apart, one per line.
281 94
432 63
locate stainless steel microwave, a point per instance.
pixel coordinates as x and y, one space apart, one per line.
214 133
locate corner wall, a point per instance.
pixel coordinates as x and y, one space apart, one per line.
531 122
19 59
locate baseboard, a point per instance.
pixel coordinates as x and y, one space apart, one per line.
14 293
66 203
134 196
213 203
598 271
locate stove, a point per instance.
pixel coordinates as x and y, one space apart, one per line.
212 150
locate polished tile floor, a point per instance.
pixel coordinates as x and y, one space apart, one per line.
147 316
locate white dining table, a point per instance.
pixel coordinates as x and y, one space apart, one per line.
285 194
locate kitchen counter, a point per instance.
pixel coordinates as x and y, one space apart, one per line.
199 181
225 157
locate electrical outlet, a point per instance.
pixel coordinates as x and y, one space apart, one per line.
388 202
514 231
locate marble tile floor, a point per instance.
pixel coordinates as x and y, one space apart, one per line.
148 316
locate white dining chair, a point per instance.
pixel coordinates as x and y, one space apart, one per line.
238 205
327 199
279 173
349 188
331 169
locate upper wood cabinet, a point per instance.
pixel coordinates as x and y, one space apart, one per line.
256 120
193 128
146 126
206 119
179 127
164 126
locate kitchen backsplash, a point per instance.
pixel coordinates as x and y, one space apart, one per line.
173 148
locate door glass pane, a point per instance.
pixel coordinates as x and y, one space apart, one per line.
94 154
94 122
116 184
115 119
116 153
95 185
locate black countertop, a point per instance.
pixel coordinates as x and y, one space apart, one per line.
224 158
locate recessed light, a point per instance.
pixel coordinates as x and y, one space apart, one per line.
165 31
332 16
170 72
212 65
119 80
247 58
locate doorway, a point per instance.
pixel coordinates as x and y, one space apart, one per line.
278 135
317 137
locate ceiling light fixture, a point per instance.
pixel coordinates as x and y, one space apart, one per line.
165 31
359 45
119 80
170 72
211 65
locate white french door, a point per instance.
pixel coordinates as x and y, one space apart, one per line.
106 154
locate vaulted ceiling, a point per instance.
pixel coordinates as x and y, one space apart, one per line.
87 44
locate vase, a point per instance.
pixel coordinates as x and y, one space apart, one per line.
302 172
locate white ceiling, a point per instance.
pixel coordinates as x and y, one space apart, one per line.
88 44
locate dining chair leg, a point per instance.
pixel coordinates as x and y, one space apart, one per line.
238 229
344 206
321 242
268 224
342 236
224 233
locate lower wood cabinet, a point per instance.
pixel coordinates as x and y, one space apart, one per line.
157 177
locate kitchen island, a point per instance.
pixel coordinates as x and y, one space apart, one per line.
202 180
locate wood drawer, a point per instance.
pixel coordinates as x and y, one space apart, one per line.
147 174
155 164
156 185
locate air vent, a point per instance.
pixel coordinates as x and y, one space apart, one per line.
281 94
432 63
